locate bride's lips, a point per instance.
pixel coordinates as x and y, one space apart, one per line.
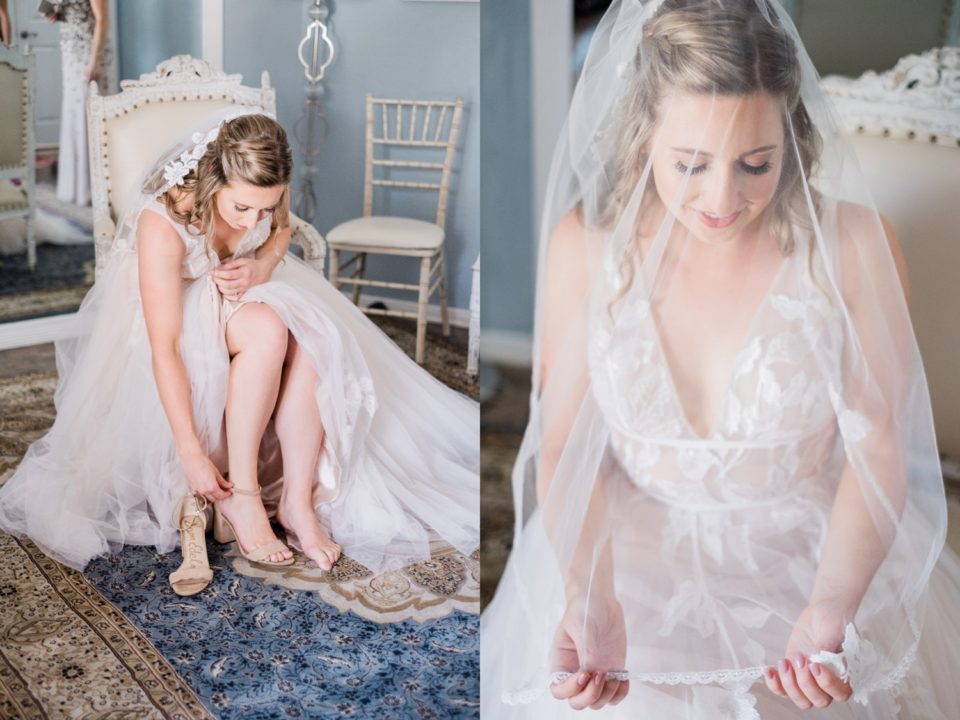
712 221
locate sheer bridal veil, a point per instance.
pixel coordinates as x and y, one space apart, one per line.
731 448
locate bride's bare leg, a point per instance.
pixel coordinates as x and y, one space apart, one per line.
300 432
257 342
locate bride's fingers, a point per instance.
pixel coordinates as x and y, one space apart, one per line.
789 682
808 684
830 683
591 692
621 692
571 686
610 688
219 491
229 287
772 679
228 274
217 494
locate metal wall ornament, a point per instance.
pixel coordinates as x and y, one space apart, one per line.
315 52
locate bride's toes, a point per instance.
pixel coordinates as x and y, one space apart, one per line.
332 555
324 555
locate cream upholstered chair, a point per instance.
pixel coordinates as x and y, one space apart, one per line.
399 130
905 127
130 129
17 143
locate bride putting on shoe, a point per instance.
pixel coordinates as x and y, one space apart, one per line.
214 369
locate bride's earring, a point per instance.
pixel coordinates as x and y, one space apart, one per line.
194 573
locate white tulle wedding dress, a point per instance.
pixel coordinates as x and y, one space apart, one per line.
695 518
399 466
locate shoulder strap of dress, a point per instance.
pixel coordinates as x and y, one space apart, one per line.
161 209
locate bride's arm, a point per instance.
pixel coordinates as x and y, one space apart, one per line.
571 264
854 546
160 254
569 269
854 549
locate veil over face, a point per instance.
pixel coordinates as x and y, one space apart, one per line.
729 420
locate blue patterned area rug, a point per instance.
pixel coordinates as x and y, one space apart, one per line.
254 650
117 644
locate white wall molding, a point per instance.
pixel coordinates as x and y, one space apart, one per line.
459 317
506 347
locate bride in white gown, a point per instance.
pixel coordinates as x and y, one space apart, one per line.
205 347
729 501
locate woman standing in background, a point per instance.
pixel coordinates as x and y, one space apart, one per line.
84 58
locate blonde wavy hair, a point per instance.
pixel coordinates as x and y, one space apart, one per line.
706 47
249 148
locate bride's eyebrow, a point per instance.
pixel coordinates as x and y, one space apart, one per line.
691 151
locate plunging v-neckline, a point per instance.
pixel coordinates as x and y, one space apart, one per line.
232 253
746 343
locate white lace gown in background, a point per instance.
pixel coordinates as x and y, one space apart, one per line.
76 47
399 466
696 518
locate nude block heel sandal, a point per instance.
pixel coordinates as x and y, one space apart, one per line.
194 573
223 532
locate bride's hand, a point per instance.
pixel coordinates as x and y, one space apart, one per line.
587 644
819 627
237 276
204 478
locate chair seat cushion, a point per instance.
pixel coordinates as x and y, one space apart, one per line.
11 197
385 231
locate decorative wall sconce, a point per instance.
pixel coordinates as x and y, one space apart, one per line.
316 52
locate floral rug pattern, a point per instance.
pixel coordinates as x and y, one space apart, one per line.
253 650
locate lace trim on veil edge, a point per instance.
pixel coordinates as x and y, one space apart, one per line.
855 653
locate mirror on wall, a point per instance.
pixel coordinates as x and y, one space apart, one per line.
50 279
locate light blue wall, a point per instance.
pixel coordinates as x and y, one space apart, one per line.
952 29
149 31
393 48
509 245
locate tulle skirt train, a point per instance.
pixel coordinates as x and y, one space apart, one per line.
399 466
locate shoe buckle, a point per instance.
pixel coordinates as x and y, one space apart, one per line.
200 507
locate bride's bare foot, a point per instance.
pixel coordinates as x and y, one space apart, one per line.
251 524
300 520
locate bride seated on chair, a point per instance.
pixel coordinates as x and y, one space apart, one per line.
214 368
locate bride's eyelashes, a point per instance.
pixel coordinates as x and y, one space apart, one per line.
754 169
683 169
746 167
240 208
